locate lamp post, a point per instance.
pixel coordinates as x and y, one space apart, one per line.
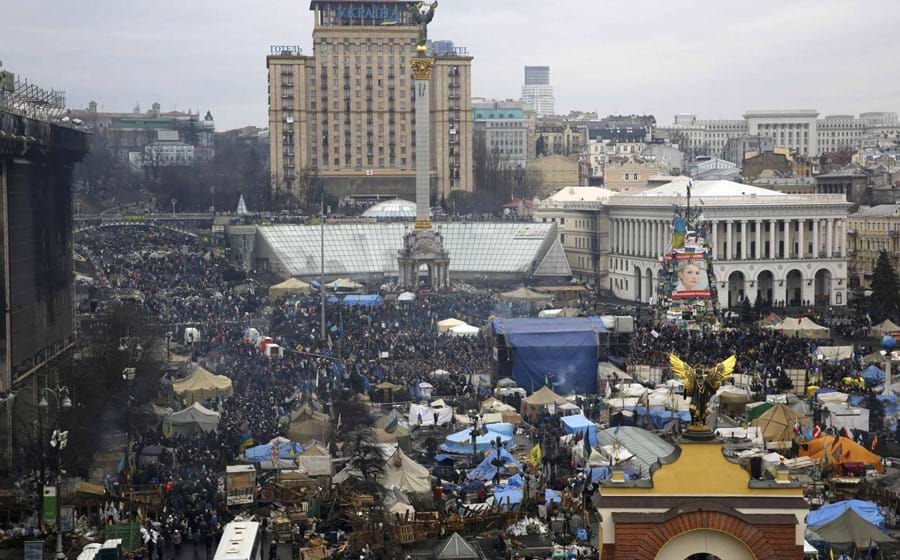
473 416
58 441
9 401
133 350
498 444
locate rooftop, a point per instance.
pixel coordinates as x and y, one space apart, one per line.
708 189
880 211
581 194
395 209
514 250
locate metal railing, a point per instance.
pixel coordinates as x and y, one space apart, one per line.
29 100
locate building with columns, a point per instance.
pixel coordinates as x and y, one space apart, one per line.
784 249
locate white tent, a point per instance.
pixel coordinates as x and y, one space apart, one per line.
447 324
424 415
885 327
407 296
191 336
193 419
464 330
425 388
343 284
803 327
506 382
404 474
439 373
834 353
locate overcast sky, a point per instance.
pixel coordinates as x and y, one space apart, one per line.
712 58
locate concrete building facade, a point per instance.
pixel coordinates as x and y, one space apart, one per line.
873 229
505 129
786 249
345 114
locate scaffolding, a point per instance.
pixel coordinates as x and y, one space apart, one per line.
26 99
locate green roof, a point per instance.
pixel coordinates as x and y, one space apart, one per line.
487 114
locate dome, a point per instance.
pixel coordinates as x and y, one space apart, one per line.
394 209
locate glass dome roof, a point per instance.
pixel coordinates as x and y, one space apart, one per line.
394 209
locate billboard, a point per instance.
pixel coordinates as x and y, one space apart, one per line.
691 276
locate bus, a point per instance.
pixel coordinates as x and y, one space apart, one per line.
241 540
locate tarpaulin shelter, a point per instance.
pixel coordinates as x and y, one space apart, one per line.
487 470
838 450
447 324
367 300
873 375
424 415
343 285
506 382
507 497
525 295
492 404
391 428
579 424
461 441
290 287
404 474
406 296
201 385
850 529
566 349
307 424
850 417
829 512
287 449
777 424
193 419
803 328
537 403
886 327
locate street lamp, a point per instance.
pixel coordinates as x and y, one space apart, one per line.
58 440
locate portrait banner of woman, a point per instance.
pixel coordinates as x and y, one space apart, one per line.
691 275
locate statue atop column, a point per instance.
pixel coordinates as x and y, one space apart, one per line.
423 13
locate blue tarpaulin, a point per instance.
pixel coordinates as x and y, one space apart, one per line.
873 375
578 424
552 496
856 400
564 348
828 513
286 450
486 470
512 494
599 473
367 300
461 441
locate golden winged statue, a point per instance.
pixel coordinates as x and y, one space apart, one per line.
701 385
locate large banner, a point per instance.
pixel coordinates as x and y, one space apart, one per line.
691 275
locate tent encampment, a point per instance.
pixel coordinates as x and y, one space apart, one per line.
838 450
803 328
777 425
307 424
851 530
404 474
523 295
367 300
343 285
202 385
290 287
538 402
192 420
886 327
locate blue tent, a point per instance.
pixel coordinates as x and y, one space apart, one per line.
461 441
873 375
487 471
578 424
286 450
565 348
828 513
367 300
552 496
599 473
660 416
516 480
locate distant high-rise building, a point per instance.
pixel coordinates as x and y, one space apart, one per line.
344 113
537 92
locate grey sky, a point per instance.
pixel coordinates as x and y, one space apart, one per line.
712 58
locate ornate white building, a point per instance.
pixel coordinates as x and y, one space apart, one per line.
785 249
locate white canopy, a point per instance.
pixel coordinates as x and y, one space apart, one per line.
464 330
834 353
407 296
447 324
803 327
